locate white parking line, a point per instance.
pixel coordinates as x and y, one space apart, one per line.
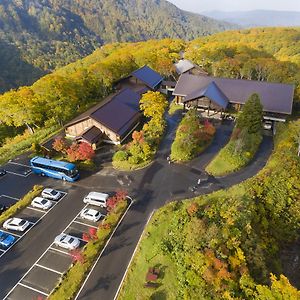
49 269
13 198
31 288
60 251
36 209
15 163
32 223
12 233
100 255
85 224
2 250
17 174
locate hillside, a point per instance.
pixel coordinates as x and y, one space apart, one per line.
38 36
256 18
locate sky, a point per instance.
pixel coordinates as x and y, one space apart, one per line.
233 5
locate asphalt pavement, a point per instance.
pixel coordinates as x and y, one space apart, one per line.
150 188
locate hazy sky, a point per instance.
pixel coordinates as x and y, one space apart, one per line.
227 5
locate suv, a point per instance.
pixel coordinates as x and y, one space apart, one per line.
95 198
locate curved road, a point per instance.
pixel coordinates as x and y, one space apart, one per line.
152 188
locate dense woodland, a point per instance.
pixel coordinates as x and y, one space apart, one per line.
38 36
225 245
56 98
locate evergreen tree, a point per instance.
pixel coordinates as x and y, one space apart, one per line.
251 116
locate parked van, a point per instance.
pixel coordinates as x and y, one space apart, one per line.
95 198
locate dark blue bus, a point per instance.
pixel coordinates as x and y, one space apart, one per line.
54 168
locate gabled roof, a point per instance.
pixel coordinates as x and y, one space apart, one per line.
183 66
275 97
148 76
91 135
211 91
118 112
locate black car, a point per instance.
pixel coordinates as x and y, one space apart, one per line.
2 172
3 208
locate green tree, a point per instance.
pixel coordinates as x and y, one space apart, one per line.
251 115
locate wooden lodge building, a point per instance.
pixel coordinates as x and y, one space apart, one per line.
117 116
217 95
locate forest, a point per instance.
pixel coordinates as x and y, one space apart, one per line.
57 97
37 37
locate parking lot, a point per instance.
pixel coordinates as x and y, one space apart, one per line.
40 280
18 169
31 214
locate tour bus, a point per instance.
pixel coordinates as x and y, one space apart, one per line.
54 168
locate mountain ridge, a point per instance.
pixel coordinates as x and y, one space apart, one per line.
52 33
257 18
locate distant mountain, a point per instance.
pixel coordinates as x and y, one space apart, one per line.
256 18
38 36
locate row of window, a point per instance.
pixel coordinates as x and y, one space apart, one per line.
50 168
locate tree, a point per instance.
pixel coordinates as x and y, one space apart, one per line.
280 289
153 104
251 115
60 144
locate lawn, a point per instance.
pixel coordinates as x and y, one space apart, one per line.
229 160
174 107
149 255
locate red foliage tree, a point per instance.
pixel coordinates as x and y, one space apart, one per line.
85 151
86 237
93 232
77 256
113 201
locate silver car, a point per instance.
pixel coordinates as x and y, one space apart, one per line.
90 214
16 224
51 194
41 203
67 241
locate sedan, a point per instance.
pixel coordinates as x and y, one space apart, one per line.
41 203
90 214
16 224
6 240
67 241
51 194
2 172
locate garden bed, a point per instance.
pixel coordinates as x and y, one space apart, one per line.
21 204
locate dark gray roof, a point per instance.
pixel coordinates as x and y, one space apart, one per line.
211 91
91 135
148 76
118 112
275 97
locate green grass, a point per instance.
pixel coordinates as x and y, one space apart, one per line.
227 161
23 143
174 107
149 255
127 166
21 204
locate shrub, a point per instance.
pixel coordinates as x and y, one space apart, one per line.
25 201
191 137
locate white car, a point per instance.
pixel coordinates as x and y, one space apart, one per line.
41 203
267 125
67 241
51 194
16 224
90 214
